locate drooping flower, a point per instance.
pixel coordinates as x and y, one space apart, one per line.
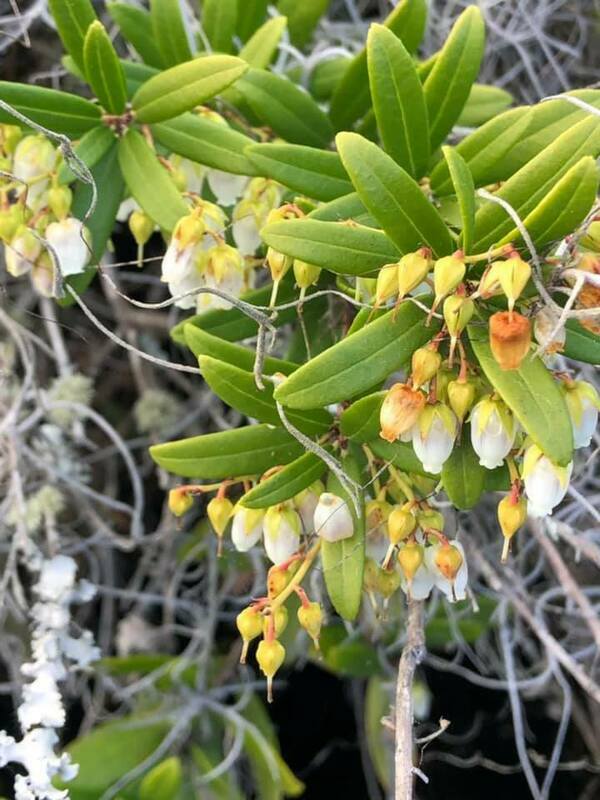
448 272
221 267
413 268
448 566
20 255
225 186
433 436
70 242
545 482
34 159
513 275
400 410
306 502
281 532
246 527
510 338
583 403
493 431
332 519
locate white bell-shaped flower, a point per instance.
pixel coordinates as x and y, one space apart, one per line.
545 483
192 173
281 532
332 518
222 267
225 186
246 527
306 501
42 275
433 436
248 218
21 254
447 565
583 403
70 242
493 431
420 586
33 161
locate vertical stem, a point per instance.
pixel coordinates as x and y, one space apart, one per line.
412 655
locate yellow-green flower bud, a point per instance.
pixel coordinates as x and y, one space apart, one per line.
448 272
387 284
461 397
280 621
180 501
425 363
401 523
270 656
591 240
410 558
306 274
278 263
189 231
429 518
10 136
458 311
388 582
59 201
310 617
141 227
413 268
10 220
512 513
250 624
219 510
448 559
513 275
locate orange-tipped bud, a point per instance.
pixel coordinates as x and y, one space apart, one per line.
448 560
250 624
270 656
510 338
400 410
410 558
180 501
310 618
512 513
461 396
425 363
401 523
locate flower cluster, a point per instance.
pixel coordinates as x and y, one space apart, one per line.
39 233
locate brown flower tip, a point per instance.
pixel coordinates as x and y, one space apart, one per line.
510 338
400 410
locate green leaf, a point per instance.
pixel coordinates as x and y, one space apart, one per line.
400 454
564 207
360 421
582 344
90 149
286 483
353 658
213 144
484 103
308 170
326 76
136 74
261 48
149 182
221 787
359 361
263 763
527 187
184 86
123 745
377 705
534 398
350 206
227 454
449 83
163 782
169 31
398 100
302 18
237 388
251 15
393 197
464 189
485 150
343 249
103 70
59 111
344 561
72 19
288 110
135 25
351 98
219 20
202 343
462 475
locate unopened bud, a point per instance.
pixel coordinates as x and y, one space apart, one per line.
387 284
513 275
377 512
512 513
332 518
305 274
250 624
489 285
401 524
10 136
510 338
591 240
461 396
180 501
458 311
388 582
448 559
10 221
413 268
400 410
410 558
277 580
141 227
219 510
270 656
430 519
448 272
425 363
277 619
278 263
189 231
310 617
59 201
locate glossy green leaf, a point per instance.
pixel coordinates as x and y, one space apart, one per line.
326 76
251 15
169 31
288 110
343 249
303 18
136 26
286 483
206 142
359 361
564 207
449 83
72 19
90 149
527 187
398 100
149 182
344 561
350 206
533 396
237 388
393 197
202 343
103 70
219 21
308 170
59 111
484 103
463 477
464 189
485 150
582 344
400 454
226 454
136 73
360 421
176 90
261 48
352 98
163 782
